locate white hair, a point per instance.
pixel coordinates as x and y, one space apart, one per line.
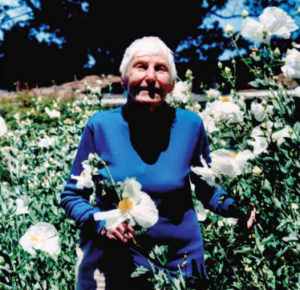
148 45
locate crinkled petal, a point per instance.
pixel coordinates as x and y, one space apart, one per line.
132 188
290 72
258 111
3 127
145 212
112 217
252 29
200 211
276 21
21 208
206 174
259 144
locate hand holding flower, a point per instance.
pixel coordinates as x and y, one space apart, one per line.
122 232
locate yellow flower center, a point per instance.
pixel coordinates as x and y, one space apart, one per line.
225 99
34 238
233 155
83 173
125 205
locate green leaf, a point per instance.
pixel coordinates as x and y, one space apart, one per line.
255 84
139 271
292 237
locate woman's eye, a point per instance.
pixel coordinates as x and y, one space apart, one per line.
161 68
140 66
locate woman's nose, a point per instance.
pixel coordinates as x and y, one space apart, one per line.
150 74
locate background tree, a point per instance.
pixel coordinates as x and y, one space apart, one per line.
59 40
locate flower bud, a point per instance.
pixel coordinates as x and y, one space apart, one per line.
227 69
91 157
277 51
220 65
196 107
256 170
245 13
228 29
294 206
68 121
24 168
188 73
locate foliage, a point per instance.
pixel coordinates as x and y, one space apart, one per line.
36 172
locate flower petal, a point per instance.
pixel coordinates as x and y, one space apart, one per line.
132 188
252 29
112 217
145 212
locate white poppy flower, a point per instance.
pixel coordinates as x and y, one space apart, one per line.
180 92
258 111
259 144
136 206
85 177
200 211
52 113
224 109
270 109
21 208
3 127
208 121
252 29
205 172
46 142
291 69
273 20
297 91
41 236
225 162
231 221
213 93
280 135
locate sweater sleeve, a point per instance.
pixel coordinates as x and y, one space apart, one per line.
75 201
213 197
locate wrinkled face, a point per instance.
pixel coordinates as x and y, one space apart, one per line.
148 80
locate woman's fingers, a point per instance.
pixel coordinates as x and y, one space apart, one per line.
251 219
130 229
122 232
119 235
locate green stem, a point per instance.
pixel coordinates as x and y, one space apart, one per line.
241 56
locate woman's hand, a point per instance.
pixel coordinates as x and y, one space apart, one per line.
122 232
251 220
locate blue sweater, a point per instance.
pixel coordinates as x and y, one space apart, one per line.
165 177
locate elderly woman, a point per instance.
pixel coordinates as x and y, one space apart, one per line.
156 144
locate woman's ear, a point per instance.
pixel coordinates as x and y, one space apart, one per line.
172 86
124 83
